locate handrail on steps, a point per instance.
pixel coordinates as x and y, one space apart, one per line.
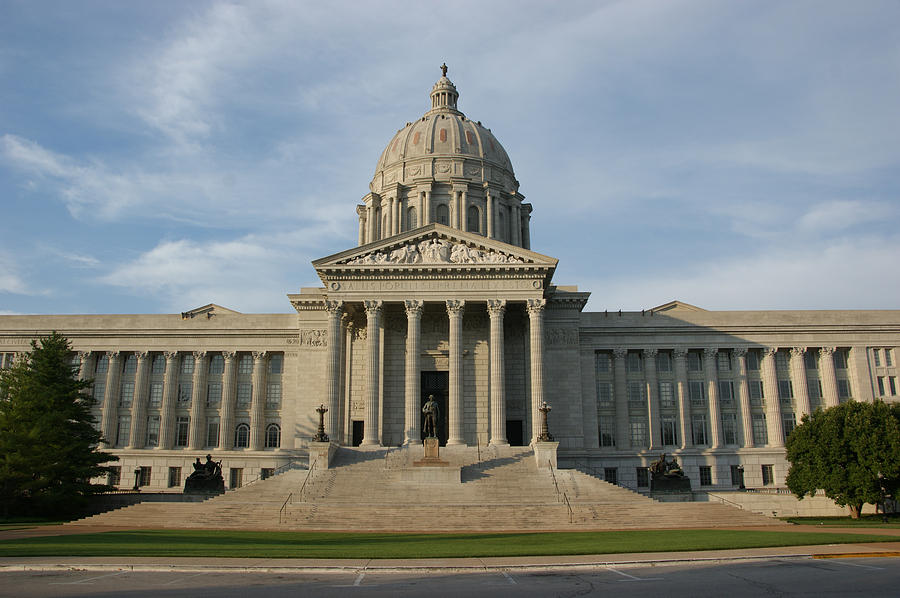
306 479
283 506
725 500
275 472
561 496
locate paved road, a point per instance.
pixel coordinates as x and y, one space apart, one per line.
868 577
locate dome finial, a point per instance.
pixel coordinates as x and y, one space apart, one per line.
444 69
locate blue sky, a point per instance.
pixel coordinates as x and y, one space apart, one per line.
158 156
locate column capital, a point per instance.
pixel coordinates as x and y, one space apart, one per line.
141 355
259 355
679 353
620 353
413 307
798 352
112 355
536 306
496 307
769 351
229 355
334 306
739 351
171 355
373 308
827 350
84 355
455 307
198 355
650 353
710 352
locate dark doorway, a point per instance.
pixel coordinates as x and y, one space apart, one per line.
437 384
359 427
515 432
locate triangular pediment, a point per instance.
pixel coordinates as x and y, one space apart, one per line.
675 306
434 246
208 310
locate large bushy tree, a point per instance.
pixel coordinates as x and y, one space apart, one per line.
48 444
843 449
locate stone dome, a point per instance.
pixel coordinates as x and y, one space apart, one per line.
444 146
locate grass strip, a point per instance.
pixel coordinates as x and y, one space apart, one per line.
866 521
246 544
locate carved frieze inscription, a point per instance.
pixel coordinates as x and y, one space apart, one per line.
316 338
562 337
436 285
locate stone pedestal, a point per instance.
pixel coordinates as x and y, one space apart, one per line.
321 454
432 456
545 454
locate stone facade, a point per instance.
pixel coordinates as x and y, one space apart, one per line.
434 302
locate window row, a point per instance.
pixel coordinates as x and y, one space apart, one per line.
699 430
182 433
186 363
724 360
642 475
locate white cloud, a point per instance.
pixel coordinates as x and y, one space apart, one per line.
10 281
838 215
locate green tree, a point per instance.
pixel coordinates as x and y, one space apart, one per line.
48 444
842 450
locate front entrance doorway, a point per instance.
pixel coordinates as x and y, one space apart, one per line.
515 432
437 384
359 427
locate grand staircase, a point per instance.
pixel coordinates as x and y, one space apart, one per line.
501 490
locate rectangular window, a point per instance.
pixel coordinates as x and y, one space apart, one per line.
694 363
123 433
698 429
843 388
144 479
729 428
638 432
174 477
877 354
273 395
102 365
666 395
611 475
726 393
663 362
214 393
815 388
810 359
643 477
152 430
756 393
99 390
130 365
669 432
184 392
182 426
634 362
736 475
760 430
880 386
785 389
237 478
768 475
159 365
605 393
888 358
607 429
705 475
126 394
603 365
697 392
723 361
216 364
892 383
187 364
245 365
635 393
276 363
156 392
212 432
788 423
753 361
781 360
115 475
244 392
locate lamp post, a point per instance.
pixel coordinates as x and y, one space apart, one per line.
321 436
545 430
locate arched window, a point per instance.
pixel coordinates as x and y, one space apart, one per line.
130 366
242 436
411 218
216 364
442 215
159 364
473 219
273 436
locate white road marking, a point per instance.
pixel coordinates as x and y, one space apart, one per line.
85 581
857 565
632 577
359 579
509 578
180 579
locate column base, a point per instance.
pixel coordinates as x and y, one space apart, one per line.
412 443
370 442
455 442
498 443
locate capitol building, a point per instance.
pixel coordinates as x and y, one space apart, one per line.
444 295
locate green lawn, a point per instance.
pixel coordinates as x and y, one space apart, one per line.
875 521
191 543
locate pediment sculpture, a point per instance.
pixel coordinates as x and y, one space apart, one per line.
435 251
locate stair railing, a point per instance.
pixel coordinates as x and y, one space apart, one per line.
725 501
569 508
592 470
553 476
305 480
274 473
283 506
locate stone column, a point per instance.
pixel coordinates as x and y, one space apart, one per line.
801 388
653 423
412 423
426 209
490 216
84 358
371 221
170 393
455 310
258 406
829 379
712 393
683 396
335 311
198 400
773 404
361 212
226 416
463 212
536 321
623 436
110 412
740 356
516 225
371 434
526 230
139 409
496 309
860 380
